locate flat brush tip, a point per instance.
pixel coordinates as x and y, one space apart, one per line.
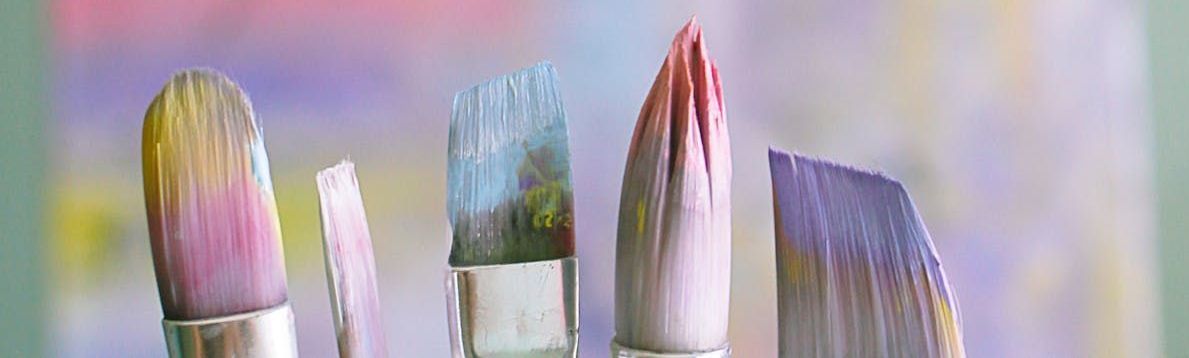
800 164
208 195
509 196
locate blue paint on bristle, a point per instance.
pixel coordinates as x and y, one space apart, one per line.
509 191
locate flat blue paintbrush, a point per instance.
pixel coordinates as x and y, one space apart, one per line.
513 281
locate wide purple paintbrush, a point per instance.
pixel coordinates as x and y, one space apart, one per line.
857 274
213 225
350 265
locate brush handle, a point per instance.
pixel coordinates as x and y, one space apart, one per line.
264 333
618 351
514 310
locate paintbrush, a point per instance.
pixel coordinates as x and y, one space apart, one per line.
513 284
673 254
213 226
350 265
857 274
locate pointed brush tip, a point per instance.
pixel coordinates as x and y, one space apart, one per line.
692 24
690 33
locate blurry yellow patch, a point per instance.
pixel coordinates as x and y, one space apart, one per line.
86 223
301 228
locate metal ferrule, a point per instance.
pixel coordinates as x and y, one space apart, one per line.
515 310
618 351
264 333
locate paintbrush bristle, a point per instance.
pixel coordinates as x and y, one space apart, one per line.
350 265
213 224
509 194
673 257
857 272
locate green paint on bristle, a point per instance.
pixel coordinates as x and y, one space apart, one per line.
509 193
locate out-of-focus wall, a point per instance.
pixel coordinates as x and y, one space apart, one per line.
1020 128
1167 30
23 114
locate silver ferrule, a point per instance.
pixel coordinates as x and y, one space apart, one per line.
618 351
515 310
264 333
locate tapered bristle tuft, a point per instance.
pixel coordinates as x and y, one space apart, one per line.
673 255
509 192
857 272
350 265
213 223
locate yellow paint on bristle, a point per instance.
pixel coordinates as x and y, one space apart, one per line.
544 202
178 124
641 213
188 128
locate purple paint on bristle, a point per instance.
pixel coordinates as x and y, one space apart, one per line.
857 273
528 183
213 227
350 264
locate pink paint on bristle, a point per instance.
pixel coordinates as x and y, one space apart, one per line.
673 253
350 264
215 236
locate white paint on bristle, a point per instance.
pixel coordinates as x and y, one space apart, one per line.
350 264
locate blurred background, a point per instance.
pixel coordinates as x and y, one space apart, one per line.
1042 142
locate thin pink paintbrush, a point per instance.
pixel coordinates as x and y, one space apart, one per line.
350 265
213 225
857 275
673 255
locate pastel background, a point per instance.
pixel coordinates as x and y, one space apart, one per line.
1042 142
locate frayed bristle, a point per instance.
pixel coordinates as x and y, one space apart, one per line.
857 272
509 194
350 264
673 255
213 223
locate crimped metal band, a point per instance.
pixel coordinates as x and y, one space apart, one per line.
618 351
264 333
515 310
